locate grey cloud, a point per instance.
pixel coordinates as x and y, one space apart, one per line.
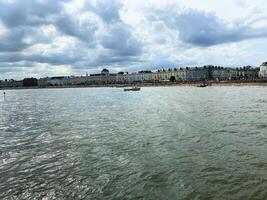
106 59
161 62
108 11
10 57
64 58
206 29
12 40
121 42
81 29
84 29
28 12
22 19
19 38
55 59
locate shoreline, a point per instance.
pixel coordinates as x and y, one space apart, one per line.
187 84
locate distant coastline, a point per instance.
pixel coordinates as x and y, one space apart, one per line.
170 84
188 76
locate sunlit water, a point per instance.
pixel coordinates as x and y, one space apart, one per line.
159 143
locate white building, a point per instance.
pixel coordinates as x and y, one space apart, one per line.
263 70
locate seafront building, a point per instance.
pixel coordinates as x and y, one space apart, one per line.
10 83
263 70
103 78
188 74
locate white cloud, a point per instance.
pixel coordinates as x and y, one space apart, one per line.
42 38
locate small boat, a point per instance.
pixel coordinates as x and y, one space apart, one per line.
132 89
202 85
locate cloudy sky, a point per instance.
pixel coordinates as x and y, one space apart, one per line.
62 37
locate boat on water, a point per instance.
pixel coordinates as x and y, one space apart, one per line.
132 89
202 85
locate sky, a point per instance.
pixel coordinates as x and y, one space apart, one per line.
40 38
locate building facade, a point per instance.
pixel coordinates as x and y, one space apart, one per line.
11 84
263 70
193 74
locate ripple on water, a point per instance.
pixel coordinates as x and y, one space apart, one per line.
160 143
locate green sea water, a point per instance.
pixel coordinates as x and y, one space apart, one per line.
158 143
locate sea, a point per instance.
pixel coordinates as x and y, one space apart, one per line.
158 143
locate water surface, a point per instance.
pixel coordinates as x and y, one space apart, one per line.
159 143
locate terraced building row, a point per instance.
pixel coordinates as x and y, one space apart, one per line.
193 74
164 75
